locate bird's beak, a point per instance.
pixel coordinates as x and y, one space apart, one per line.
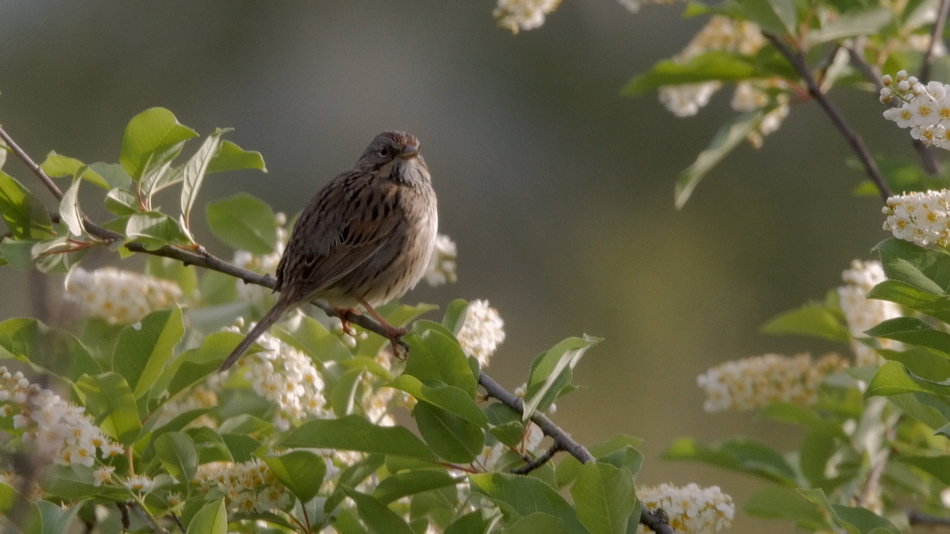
409 151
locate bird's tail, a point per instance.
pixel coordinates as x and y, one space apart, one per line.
266 321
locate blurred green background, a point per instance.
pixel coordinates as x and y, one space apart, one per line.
558 191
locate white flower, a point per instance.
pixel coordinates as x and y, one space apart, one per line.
481 332
247 487
925 109
122 297
441 266
921 218
862 313
52 428
515 15
139 483
286 377
720 34
687 99
103 475
755 382
691 509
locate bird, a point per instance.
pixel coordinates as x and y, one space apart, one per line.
364 239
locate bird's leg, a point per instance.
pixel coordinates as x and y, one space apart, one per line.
392 332
341 313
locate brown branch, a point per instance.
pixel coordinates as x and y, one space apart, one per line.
20 153
797 60
537 462
916 517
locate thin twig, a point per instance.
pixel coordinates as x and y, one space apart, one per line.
916 517
936 36
20 153
146 517
797 59
537 462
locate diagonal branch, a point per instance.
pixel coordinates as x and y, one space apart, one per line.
936 36
797 60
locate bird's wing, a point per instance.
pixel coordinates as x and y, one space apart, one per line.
347 221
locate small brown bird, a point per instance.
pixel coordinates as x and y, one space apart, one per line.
364 239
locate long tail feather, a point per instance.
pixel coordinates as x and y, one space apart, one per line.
266 321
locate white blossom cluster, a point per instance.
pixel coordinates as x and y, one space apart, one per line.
921 218
247 487
925 109
441 266
286 377
755 382
481 332
121 297
515 15
724 34
863 313
51 427
691 509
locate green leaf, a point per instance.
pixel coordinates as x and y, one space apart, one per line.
231 157
53 255
211 519
19 254
149 139
449 436
122 202
377 516
244 223
604 497
852 23
922 268
784 503
738 454
412 482
521 496
194 365
353 433
802 415
69 482
57 166
243 448
435 355
343 394
912 297
710 66
179 455
475 523
302 472
46 349
69 210
913 331
211 446
113 173
619 450
893 378
455 315
156 230
536 522
449 398
776 16
936 466
810 320
109 400
145 348
727 138
194 172
24 214
56 519
552 371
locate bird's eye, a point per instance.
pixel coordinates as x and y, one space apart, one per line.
385 151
